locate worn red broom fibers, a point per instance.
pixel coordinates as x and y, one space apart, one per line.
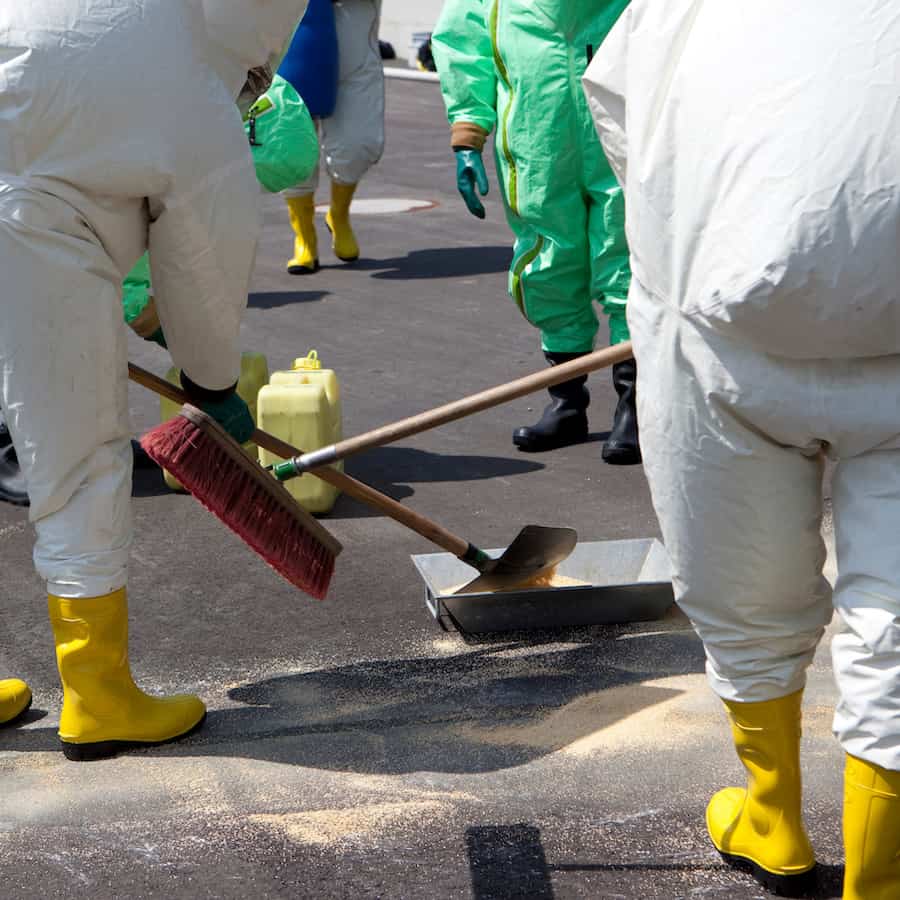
233 487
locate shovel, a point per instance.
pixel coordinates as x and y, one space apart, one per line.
450 412
535 551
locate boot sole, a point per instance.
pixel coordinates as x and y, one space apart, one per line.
304 270
106 749
621 456
18 716
529 445
802 885
15 499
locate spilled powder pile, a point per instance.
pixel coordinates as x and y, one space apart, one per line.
327 827
551 578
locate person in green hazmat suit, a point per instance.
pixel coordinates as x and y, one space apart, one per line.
516 67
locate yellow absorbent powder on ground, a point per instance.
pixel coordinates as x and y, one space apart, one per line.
550 578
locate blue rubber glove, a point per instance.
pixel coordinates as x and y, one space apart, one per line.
469 174
226 407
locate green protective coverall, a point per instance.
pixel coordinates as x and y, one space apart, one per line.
517 65
137 302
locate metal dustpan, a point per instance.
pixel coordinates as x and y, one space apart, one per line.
625 581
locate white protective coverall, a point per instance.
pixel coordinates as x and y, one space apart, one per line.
118 133
761 169
353 136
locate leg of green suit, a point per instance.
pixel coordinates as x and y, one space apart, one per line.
562 200
550 281
610 272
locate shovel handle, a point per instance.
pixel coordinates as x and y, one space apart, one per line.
422 525
458 409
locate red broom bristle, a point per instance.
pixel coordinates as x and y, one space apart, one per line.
248 506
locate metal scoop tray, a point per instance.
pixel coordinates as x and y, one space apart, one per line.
627 581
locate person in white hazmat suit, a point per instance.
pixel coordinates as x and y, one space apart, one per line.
352 138
761 170
118 133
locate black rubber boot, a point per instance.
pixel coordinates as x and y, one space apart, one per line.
622 447
139 455
564 421
12 482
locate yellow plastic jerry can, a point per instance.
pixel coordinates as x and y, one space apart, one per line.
303 407
254 376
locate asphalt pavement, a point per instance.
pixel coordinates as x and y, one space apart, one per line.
353 749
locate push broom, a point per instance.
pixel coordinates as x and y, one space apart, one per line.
214 468
232 486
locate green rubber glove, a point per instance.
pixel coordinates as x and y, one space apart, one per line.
469 175
233 415
225 406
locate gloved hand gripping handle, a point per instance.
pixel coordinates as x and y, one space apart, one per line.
423 526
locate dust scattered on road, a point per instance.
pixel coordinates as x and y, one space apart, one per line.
362 824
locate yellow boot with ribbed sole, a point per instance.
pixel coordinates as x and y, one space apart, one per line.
343 241
302 213
871 831
104 712
15 698
760 829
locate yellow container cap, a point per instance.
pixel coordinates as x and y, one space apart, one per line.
310 361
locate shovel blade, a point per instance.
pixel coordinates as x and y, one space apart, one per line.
535 551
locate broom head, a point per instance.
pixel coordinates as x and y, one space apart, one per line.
233 487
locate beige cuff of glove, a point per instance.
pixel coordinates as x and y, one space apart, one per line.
147 323
467 134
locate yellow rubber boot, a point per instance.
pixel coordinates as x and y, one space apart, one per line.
15 698
871 831
338 221
104 712
302 212
760 829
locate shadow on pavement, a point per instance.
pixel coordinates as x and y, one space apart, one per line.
387 469
479 711
267 300
440 262
391 470
30 715
509 861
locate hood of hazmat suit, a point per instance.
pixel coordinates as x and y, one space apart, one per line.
758 148
247 34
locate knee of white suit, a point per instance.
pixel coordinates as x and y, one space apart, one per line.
64 384
82 548
866 652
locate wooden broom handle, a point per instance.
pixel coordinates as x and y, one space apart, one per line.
429 530
467 406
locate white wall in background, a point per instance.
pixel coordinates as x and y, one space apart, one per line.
400 19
